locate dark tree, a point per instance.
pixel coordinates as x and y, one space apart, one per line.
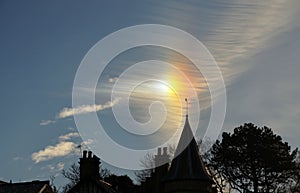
73 175
221 183
253 159
146 162
122 183
293 185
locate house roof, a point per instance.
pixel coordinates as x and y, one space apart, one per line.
102 185
2 182
25 187
187 164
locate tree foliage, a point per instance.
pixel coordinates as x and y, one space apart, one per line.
221 182
253 159
73 175
148 163
121 183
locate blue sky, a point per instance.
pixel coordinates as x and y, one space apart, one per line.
256 45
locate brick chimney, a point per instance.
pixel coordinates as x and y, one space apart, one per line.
89 166
162 160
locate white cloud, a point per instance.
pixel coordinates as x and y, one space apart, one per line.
112 80
68 112
53 168
47 122
71 129
60 166
68 136
18 158
83 109
61 149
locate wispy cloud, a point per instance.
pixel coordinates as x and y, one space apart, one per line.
60 166
52 167
233 30
68 136
63 148
47 122
18 158
68 112
71 129
112 80
244 29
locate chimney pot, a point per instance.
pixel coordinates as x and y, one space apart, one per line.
159 151
165 150
84 153
89 154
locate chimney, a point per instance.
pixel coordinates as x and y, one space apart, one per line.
165 151
84 154
90 154
161 159
89 166
159 151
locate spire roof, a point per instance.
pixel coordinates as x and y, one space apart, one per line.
187 163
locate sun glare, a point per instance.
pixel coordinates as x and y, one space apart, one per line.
162 87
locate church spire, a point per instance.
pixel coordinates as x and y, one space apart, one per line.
187 164
186 107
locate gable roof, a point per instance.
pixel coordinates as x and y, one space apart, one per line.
187 163
26 187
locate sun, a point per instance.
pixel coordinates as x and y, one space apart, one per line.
162 87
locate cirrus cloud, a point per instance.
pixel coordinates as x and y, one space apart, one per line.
83 109
47 122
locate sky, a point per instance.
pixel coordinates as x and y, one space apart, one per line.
42 43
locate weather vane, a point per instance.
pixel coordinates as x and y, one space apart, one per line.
187 106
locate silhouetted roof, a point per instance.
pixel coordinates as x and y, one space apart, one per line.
26 187
187 164
2 182
100 184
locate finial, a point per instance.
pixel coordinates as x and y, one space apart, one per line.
187 106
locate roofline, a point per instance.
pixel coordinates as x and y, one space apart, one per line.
189 179
32 182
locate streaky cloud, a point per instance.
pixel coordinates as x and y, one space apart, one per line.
68 136
68 112
47 122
